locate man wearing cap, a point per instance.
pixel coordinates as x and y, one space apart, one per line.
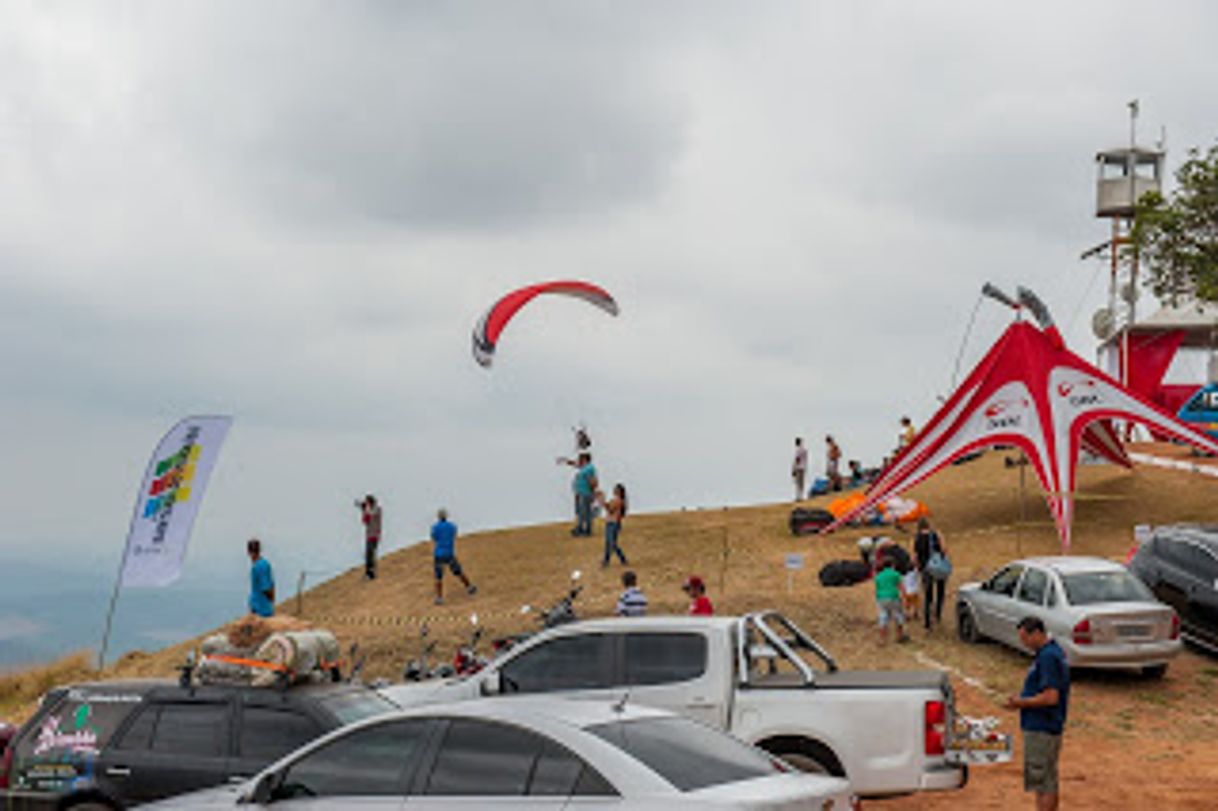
700 604
1042 712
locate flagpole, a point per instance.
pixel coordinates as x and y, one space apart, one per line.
118 583
118 580
122 561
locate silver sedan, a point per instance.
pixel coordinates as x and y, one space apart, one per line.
527 754
1100 614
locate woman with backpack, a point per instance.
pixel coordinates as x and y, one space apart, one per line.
936 568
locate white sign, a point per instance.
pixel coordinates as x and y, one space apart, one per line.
794 561
169 499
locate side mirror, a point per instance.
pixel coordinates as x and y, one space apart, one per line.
264 789
490 684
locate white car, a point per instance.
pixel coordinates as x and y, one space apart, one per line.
758 677
1100 614
530 753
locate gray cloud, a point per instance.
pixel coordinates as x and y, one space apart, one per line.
294 213
12 627
471 117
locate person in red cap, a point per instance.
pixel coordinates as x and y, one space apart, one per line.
700 604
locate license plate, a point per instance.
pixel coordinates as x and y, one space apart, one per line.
995 748
1127 631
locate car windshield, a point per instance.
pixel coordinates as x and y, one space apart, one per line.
1104 587
357 705
685 753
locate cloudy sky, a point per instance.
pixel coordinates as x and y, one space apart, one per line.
294 213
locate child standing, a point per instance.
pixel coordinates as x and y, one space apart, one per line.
888 600
615 511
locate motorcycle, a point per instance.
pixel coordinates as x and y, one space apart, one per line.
560 613
467 660
419 669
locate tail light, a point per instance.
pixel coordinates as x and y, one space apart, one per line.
935 727
1133 550
1082 632
6 763
1175 625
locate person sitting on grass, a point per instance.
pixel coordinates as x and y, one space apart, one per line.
888 600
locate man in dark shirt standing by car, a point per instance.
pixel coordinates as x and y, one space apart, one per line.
1042 712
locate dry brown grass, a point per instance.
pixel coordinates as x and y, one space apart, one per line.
740 554
20 690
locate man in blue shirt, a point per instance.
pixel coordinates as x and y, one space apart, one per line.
1042 712
585 485
444 553
262 582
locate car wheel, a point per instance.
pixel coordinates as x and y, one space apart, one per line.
805 755
806 763
1154 671
966 626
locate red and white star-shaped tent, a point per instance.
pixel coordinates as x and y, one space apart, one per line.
1031 392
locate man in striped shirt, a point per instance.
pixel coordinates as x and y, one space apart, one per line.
632 603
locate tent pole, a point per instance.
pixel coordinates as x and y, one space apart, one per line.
723 562
1023 507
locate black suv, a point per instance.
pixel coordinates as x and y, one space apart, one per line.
109 745
1180 564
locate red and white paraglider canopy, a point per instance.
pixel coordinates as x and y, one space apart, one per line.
1031 392
495 320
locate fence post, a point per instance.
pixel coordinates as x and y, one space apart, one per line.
300 595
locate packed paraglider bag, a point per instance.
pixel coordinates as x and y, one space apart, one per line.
809 520
844 573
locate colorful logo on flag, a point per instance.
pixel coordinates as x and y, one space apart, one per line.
174 475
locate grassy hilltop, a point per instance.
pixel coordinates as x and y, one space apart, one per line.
738 551
1121 722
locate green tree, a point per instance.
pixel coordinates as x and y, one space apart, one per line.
1177 238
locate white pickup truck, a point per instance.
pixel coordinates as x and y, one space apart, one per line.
758 677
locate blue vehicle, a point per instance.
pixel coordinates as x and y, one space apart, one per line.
1201 410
